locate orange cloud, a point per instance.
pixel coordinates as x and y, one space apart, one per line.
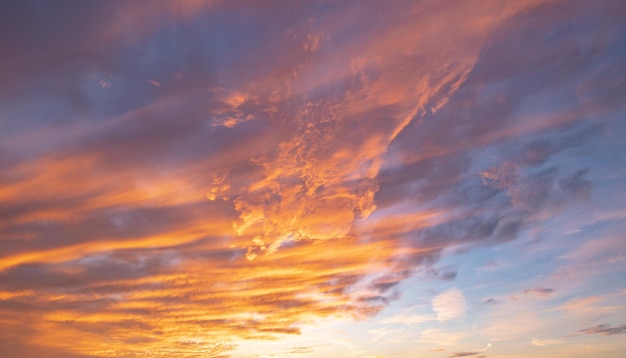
302 178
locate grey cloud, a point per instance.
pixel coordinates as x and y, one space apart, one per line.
466 354
576 186
448 275
16 348
543 190
437 160
459 231
422 181
540 291
98 271
117 223
605 330
445 275
485 105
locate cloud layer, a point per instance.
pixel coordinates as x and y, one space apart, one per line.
178 178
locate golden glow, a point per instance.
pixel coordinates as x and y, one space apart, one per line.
247 188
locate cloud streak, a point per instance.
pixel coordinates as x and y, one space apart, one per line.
605 330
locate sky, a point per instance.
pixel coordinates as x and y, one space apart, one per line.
315 179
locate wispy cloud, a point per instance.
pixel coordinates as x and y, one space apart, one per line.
605 330
466 354
449 304
539 291
546 342
408 319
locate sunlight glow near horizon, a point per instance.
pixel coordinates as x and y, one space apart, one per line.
312 178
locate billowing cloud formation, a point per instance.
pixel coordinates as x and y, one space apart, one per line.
177 177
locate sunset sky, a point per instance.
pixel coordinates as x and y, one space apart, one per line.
315 179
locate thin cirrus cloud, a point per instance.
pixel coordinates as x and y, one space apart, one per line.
183 178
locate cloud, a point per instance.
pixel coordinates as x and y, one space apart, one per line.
448 275
445 275
539 291
408 320
449 304
299 350
582 304
605 330
545 342
466 354
257 167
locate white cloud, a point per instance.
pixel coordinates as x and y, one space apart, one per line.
408 320
441 338
545 342
449 304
